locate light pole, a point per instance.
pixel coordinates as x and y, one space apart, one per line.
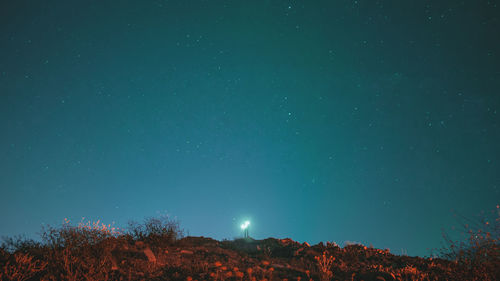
244 227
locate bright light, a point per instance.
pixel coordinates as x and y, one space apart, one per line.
245 225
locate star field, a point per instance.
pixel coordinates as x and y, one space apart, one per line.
342 120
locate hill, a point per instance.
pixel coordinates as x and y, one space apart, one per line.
157 251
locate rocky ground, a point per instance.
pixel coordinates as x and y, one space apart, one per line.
199 258
71 255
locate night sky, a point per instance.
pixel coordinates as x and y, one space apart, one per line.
367 121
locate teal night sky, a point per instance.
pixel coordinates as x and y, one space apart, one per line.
365 121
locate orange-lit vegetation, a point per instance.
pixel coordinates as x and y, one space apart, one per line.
325 265
157 250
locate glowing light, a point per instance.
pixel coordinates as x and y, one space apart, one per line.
245 225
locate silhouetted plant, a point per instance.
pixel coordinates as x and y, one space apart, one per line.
162 230
85 251
478 257
19 243
75 236
79 252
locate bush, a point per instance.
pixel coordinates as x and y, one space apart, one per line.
19 244
86 251
162 230
72 237
478 257
22 266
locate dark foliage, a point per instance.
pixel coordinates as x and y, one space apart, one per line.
161 231
19 244
478 255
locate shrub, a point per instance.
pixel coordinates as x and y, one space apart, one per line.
85 234
79 252
478 257
22 266
19 243
160 231
324 266
87 251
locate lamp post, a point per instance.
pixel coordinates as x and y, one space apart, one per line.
244 227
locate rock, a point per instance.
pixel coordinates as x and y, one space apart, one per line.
149 254
297 252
